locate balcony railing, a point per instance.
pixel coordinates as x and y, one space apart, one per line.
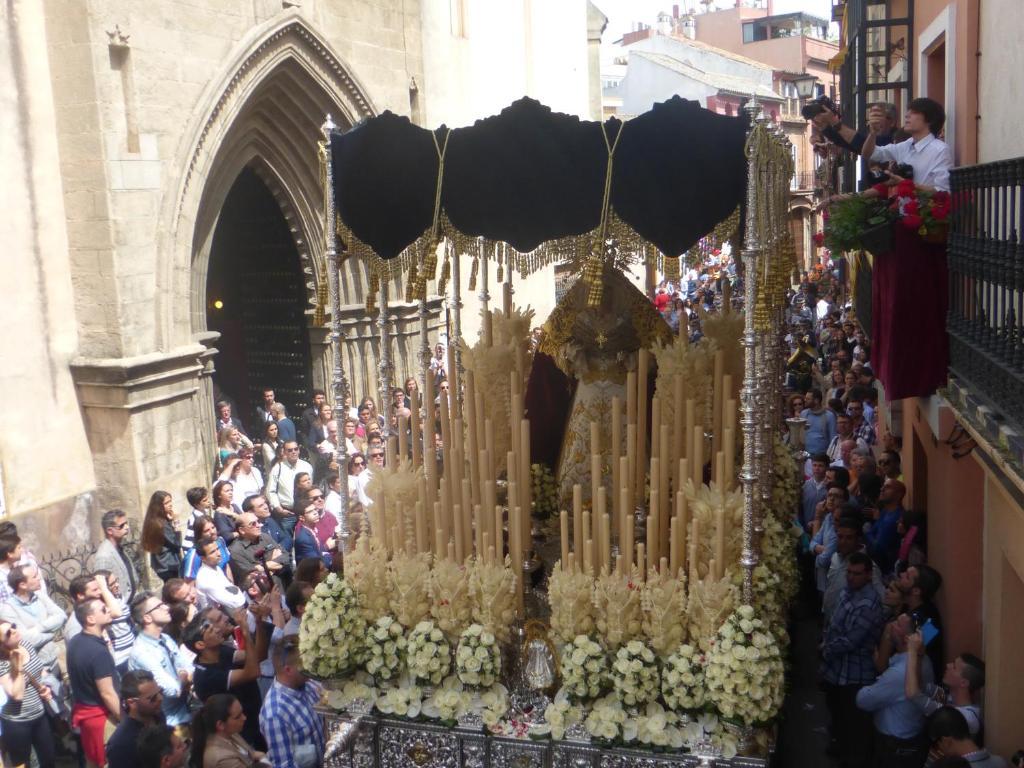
803 180
986 283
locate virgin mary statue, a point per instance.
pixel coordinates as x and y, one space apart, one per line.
581 364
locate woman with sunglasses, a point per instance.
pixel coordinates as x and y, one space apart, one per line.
217 740
25 722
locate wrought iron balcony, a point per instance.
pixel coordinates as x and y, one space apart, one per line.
986 285
803 180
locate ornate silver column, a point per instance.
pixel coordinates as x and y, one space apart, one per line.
457 317
748 393
339 384
385 364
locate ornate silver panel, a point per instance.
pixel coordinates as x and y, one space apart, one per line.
399 744
404 746
515 753
565 754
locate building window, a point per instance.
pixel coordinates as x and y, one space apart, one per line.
753 33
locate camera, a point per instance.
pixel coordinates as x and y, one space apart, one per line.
903 170
814 108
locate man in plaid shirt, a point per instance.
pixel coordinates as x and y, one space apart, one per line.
847 660
290 724
861 429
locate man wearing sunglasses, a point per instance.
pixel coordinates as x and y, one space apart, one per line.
141 704
254 549
110 554
157 654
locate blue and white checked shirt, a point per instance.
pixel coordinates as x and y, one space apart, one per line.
848 650
291 725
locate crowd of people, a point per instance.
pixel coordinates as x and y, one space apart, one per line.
203 666
897 696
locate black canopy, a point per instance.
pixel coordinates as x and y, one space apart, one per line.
529 175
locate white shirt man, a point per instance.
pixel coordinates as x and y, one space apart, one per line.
212 583
929 156
281 482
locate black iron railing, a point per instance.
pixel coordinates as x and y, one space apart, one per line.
986 283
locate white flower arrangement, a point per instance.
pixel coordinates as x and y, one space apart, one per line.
356 689
401 700
744 674
707 728
606 718
560 715
682 679
584 668
654 727
449 701
494 704
384 655
478 657
428 654
332 630
634 674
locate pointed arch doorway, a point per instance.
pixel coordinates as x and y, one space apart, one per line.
256 301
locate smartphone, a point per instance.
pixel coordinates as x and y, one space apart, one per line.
929 632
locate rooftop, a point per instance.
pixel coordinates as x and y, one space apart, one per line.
742 86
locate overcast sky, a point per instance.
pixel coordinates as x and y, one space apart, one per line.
622 14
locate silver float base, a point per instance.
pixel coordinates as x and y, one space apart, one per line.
376 742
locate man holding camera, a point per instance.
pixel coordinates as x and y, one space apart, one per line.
923 158
882 121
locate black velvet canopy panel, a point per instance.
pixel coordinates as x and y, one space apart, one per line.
529 175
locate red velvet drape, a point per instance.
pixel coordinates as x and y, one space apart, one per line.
910 349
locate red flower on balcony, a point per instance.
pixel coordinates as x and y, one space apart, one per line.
905 188
819 239
912 208
912 221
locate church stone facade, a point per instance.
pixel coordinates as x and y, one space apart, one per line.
164 228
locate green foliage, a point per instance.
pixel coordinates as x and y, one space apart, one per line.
850 217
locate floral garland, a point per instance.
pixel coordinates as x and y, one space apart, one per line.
332 629
449 702
682 679
384 656
428 654
494 704
745 672
634 674
477 658
787 482
584 668
358 688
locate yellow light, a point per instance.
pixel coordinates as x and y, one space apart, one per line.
218 304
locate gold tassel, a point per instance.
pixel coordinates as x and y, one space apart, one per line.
411 285
593 274
430 260
446 273
472 274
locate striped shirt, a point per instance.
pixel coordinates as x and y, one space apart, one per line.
31 706
293 729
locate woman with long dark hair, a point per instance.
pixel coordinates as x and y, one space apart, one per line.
217 740
160 538
271 443
25 721
225 511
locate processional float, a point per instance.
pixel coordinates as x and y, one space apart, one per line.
661 627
